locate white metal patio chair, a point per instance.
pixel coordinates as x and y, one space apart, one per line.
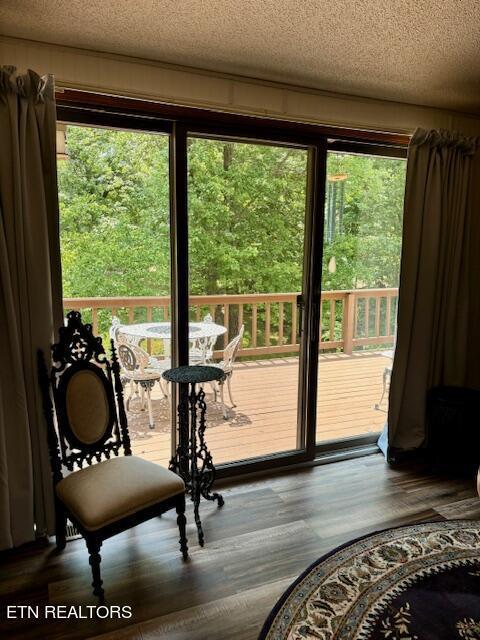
159 365
226 365
134 362
115 332
387 374
201 351
154 365
114 328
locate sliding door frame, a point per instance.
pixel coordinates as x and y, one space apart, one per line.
316 148
396 150
74 99
78 107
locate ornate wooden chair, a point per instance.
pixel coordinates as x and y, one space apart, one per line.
84 393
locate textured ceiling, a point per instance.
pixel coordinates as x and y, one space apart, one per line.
418 51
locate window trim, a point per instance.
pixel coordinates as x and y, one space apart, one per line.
74 100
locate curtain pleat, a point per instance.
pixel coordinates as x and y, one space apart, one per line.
30 299
438 294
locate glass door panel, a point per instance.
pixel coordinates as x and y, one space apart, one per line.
115 244
360 276
246 222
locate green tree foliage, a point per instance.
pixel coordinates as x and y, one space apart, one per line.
246 217
367 248
113 193
247 206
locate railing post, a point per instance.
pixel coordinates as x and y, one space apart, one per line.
348 323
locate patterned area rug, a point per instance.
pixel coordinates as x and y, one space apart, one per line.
420 582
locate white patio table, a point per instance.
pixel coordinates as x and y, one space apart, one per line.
198 333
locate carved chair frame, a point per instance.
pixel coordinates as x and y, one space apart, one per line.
78 350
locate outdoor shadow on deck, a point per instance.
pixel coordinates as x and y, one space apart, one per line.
138 419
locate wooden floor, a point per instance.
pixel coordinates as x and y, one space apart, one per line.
267 533
264 420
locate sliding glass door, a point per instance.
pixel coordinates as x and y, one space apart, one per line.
247 211
243 246
115 244
360 276
243 236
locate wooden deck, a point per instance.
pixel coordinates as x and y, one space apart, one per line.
264 420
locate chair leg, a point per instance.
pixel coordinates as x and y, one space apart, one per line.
94 547
142 398
222 401
130 396
229 377
148 393
214 389
385 376
161 383
60 526
182 526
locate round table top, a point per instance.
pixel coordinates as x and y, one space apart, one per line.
163 330
193 374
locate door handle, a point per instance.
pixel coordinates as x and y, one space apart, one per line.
316 311
300 307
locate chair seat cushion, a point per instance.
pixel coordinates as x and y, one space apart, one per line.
113 489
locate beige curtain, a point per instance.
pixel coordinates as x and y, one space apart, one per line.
30 298
438 312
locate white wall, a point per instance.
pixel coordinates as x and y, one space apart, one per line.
80 69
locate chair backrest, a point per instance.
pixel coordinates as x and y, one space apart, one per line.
204 346
87 399
115 328
211 340
231 350
132 357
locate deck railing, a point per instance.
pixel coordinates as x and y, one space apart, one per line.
349 319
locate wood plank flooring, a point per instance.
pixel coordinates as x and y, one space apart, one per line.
268 532
264 420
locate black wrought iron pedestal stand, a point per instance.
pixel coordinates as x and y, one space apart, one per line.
193 461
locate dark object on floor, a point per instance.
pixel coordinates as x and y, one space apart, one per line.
193 460
118 492
420 581
453 420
